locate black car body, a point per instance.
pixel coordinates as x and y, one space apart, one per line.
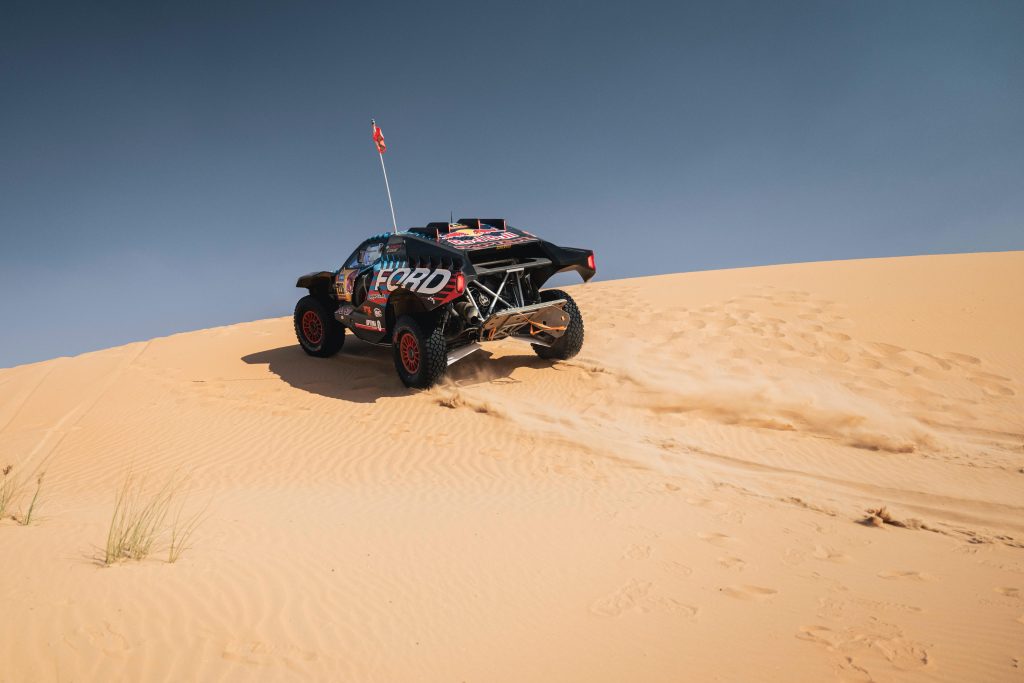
475 280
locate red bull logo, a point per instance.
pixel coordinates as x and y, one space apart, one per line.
465 236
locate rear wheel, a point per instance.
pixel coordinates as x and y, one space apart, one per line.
421 357
570 343
318 332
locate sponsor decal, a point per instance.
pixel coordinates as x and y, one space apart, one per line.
374 325
377 312
345 282
472 237
419 280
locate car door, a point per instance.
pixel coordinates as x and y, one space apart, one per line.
361 260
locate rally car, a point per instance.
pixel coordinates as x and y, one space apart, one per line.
435 293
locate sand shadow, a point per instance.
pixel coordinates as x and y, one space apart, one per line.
362 372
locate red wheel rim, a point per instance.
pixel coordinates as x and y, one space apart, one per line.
409 350
312 328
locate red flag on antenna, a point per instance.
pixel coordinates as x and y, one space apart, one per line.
378 139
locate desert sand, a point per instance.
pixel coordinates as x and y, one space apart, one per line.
684 501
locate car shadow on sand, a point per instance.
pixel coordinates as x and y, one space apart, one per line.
362 372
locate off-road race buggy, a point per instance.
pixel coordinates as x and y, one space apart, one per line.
434 293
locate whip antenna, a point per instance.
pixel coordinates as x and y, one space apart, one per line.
378 140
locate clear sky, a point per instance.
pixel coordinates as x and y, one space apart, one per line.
175 165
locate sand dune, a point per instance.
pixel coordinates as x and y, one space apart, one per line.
686 500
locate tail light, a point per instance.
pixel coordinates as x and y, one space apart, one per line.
590 261
460 283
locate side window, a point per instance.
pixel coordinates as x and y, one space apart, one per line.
365 255
372 253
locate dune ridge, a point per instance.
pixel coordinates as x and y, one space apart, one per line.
688 498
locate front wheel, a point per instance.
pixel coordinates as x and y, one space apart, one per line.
421 357
571 341
319 333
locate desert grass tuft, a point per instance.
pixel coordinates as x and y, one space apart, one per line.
27 518
8 488
140 521
182 529
137 521
13 481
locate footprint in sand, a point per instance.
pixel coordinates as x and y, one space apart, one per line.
887 349
1008 591
963 358
673 606
677 568
943 364
822 635
706 503
854 644
715 538
823 552
106 639
993 385
928 373
747 592
908 574
869 362
793 556
732 562
625 598
261 654
837 354
636 596
637 551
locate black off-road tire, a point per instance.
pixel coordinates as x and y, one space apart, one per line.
421 355
570 343
318 332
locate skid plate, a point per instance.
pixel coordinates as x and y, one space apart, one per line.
546 321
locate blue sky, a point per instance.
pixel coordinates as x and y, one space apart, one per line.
172 166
